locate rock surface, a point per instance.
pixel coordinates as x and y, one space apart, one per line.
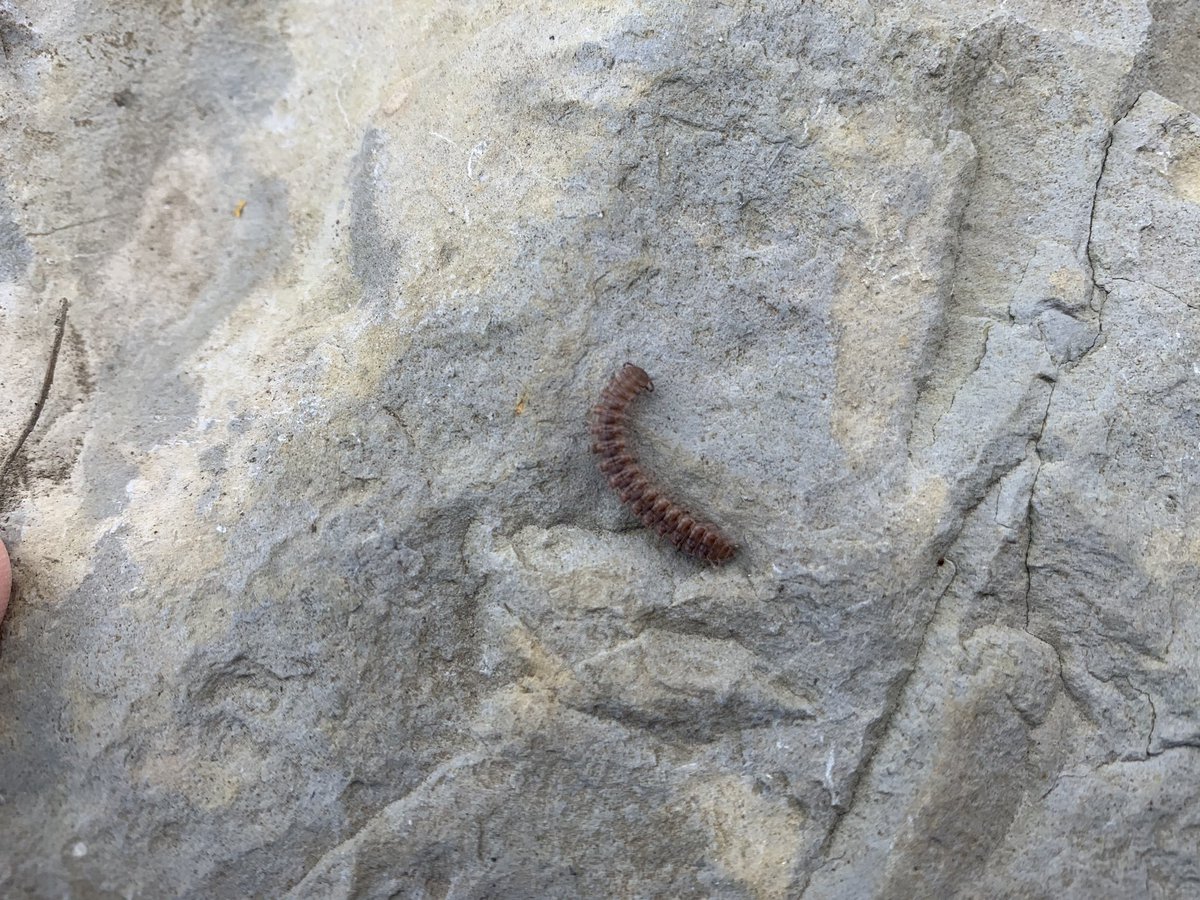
317 591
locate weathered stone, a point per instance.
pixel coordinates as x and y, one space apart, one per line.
318 590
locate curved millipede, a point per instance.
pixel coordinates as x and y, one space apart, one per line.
610 441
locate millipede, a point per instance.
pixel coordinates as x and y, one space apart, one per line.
636 488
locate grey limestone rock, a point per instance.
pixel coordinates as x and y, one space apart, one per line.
318 590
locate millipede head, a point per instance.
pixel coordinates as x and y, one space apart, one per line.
721 552
639 375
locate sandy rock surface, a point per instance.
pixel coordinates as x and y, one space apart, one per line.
317 590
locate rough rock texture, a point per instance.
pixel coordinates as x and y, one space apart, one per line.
317 590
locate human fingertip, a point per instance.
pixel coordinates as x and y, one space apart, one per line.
5 580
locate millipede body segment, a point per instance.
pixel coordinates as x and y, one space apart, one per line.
610 441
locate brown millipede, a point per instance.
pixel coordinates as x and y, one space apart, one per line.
610 441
